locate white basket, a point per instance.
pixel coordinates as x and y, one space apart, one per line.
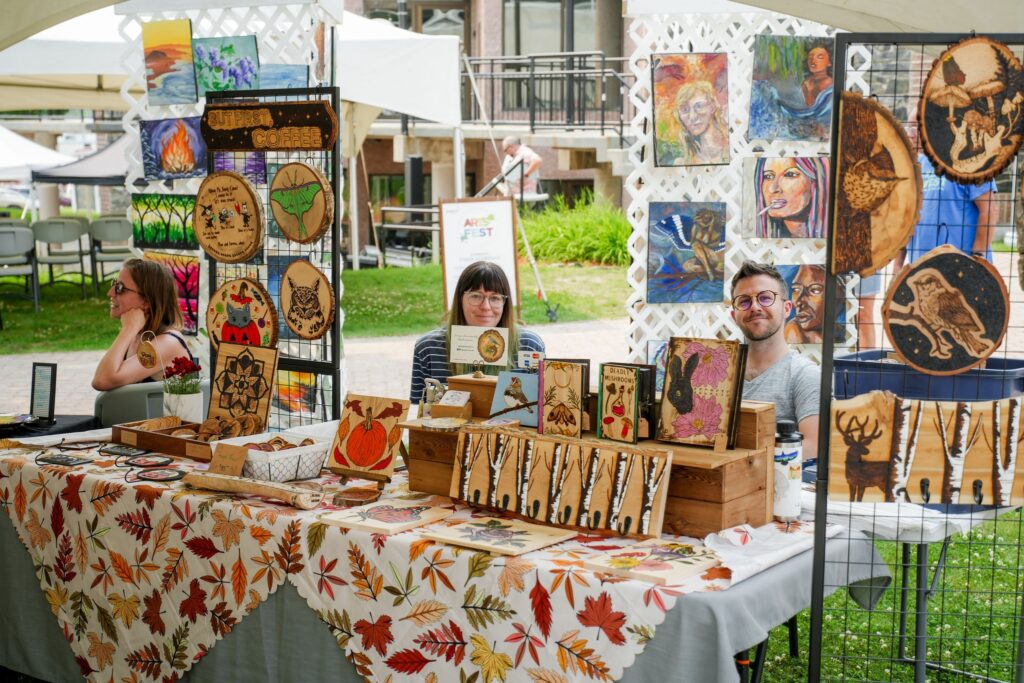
292 464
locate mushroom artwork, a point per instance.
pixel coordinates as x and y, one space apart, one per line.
952 96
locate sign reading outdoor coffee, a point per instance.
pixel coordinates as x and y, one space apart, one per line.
258 126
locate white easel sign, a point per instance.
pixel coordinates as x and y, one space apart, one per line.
478 230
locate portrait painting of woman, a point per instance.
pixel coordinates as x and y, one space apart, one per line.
787 197
791 89
691 109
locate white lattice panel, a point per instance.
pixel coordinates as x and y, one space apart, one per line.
733 34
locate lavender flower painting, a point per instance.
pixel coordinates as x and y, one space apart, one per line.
226 64
252 165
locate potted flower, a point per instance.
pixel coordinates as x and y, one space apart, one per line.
182 394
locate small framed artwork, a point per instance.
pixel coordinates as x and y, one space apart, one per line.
563 390
625 400
499 536
388 518
515 397
366 442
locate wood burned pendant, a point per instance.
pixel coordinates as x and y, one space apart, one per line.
146 352
302 202
947 312
307 300
228 219
242 312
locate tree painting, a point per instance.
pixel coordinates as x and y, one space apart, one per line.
163 221
185 270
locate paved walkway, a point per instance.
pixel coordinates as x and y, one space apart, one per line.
376 366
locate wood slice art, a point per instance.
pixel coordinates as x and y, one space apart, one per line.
971 112
563 391
307 300
878 188
243 380
228 220
499 536
388 518
947 312
366 442
885 448
242 312
302 202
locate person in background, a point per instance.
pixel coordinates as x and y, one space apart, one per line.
144 297
514 151
481 299
775 373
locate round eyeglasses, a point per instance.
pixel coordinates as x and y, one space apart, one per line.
478 299
764 299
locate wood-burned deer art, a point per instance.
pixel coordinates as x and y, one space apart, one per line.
862 474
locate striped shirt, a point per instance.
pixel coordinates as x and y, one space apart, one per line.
430 358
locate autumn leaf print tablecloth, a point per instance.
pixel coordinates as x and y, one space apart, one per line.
145 578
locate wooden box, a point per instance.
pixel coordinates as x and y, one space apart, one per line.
481 391
161 441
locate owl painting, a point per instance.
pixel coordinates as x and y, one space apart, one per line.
307 300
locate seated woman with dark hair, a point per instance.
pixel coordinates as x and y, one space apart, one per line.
481 299
143 297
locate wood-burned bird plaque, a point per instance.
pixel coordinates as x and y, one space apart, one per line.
302 202
515 397
947 312
971 112
878 188
367 439
228 219
242 312
307 300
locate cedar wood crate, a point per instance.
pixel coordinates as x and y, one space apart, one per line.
161 441
707 491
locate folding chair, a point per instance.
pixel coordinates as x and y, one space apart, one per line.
104 233
61 231
18 258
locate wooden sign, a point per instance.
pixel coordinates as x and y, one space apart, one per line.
241 312
625 399
563 390
566 482
367 439
885 448
499 536
878 188
307 300
257 126
947 312
302 201
243 380
971 111
655 561
387 518
703 388
228 219
515 397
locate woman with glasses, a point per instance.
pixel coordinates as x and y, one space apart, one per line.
144 297
481 299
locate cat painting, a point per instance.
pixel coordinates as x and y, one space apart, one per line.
240 328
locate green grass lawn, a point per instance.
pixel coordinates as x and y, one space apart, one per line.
64 321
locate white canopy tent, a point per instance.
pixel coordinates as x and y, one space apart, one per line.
19 156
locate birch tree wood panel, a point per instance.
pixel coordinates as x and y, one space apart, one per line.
561 481
947 312
886 449
563 394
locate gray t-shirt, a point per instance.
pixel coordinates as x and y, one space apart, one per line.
793 384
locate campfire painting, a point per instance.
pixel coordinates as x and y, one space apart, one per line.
173 148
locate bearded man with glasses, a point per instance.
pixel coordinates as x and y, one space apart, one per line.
775 373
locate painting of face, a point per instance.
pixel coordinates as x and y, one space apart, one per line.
788 190
805 323
696 109
691 105
791 89
788 197
818 60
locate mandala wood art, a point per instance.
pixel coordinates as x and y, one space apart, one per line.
885 448
228 220
878 188
655 561
307 300
388 518
971 112
703 388
947 312
242 312
625 398
243 379
366 442
302 202
499 536
557 480
563 390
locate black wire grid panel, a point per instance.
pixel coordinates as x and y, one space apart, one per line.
308 383
952 611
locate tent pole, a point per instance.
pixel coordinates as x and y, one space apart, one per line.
459 152
353 212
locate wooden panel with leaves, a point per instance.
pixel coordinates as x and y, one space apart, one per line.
499 536
657 561
563 394
563 481
886 448
367 439
388 518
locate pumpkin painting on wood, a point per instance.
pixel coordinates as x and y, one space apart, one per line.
368 436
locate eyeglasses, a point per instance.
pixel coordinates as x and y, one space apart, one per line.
478 299
764 299
120 288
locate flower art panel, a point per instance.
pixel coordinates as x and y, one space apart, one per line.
172 148
499 536
691 109
170 75
185 271
230 63
786 197
163 221
366 442
655 561
791 89
686 252
703 388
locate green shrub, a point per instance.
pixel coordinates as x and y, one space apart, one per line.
591 232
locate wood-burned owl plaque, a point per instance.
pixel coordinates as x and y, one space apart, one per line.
878 188
302 202
228 220
307 300
367 439
947 312
242 312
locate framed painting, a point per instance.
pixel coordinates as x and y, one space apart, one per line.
242 381
515 397
388 518
791 88
251 165
656 561
563 388
296 392
806 322
163 221
172 149
283 76
686 252
366 442
185 270
228 63
170 73
786 197
499 536
691 109
703 388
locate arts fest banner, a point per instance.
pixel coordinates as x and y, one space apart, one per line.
478 230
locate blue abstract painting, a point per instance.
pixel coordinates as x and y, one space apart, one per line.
283 76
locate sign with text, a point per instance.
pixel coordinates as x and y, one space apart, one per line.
478 230
259 126
487 345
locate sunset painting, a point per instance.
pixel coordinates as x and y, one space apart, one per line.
170 76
